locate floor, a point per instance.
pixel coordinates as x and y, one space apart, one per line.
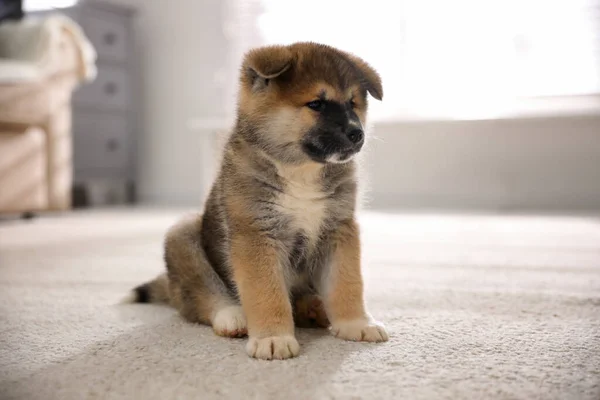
477 306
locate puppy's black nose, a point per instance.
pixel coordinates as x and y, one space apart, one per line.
355 135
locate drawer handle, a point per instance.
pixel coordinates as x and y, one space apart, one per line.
112 145
110 88
110 38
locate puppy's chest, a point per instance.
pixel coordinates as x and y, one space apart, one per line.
306 208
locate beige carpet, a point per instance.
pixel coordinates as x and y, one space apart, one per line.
477 307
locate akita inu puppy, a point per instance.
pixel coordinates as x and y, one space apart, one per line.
278 241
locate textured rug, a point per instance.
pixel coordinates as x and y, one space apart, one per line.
477 306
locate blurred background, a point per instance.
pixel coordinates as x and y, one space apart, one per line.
480 245
488 104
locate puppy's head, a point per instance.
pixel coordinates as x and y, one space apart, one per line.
305 102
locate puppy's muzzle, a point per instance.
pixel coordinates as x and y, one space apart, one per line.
336 146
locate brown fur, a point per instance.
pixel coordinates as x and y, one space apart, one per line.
278 243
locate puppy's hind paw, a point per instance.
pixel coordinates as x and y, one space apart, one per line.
230 322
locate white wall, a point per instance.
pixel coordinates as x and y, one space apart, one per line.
507 164
184 54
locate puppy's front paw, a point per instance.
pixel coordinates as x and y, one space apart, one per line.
273 347
360 330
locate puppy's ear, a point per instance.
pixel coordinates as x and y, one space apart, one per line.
266 63
370 78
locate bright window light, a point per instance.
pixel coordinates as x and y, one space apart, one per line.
459 58
39 5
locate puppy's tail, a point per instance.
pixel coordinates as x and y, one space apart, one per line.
155 291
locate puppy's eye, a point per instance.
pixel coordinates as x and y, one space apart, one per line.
316 105
352 103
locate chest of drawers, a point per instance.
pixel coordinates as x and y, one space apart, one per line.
104 111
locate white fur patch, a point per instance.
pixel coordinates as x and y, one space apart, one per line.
335 159
229 320
303 201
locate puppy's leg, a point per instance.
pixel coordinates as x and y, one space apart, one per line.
195 288
343 290
265 299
